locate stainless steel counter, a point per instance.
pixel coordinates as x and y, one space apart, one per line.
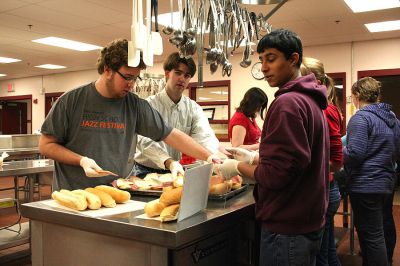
26 167
29 168
21 153
217 216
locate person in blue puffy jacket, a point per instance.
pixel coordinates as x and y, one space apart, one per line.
373 145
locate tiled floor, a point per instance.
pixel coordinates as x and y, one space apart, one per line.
20 255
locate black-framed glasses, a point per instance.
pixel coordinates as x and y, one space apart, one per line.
131 78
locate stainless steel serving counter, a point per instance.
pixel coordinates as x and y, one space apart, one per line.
208 238
27 168
21 153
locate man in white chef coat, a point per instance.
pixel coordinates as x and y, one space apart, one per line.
178 111
96 125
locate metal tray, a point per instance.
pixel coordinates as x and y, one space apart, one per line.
157 193
230 194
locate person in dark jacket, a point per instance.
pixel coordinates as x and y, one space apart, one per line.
291 170
372 148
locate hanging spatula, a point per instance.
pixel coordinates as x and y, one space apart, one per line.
148 44
133 52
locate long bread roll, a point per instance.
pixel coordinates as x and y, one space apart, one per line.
93 201
118 195
106 200
219 189
169 213
68 192
172 196
70 201
153 208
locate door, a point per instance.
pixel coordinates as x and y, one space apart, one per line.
50 99
390 91
13 118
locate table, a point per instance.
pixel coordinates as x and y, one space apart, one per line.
29 168
224 234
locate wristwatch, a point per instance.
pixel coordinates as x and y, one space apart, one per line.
256 71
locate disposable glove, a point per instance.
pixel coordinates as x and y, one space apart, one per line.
213 158
243 155
176 169
90 167
227 169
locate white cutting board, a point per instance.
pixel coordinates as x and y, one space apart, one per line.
195 191
129 206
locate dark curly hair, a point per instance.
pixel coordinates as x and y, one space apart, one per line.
173 61
254 100
367 89
115 55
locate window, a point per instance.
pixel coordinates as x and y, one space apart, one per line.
214 98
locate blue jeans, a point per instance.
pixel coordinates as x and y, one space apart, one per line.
277 249
141 170
389 227
327 255
368 220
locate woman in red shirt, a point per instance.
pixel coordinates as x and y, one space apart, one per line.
328 255
243 130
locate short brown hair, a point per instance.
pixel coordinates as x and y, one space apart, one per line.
367 89
173 61
254 100
115 55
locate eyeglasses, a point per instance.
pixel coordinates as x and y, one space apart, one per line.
131 78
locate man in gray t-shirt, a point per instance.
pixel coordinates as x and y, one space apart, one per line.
95 126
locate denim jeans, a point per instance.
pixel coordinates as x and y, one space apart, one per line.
327 255
141 170
368 220
389 227
290 250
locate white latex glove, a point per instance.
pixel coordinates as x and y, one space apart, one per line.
213 158
242 155
90 167
227 169
176 169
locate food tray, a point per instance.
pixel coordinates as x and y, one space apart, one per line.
230 194
143 192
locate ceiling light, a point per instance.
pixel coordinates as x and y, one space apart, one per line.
219 92
383 26
68 44
3 75
204 98
370 5
50 66
6 60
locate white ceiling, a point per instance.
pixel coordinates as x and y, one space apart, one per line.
99 21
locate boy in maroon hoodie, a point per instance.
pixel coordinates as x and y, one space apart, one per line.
291 169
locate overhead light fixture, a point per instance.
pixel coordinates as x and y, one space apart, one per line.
6 60
369 5
383 26
3 75
219 92
50 66
259 2
204 98
68 44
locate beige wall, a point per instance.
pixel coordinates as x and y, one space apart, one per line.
379 54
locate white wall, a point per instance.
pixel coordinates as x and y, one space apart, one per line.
378 54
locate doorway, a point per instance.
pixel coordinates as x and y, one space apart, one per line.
50 99
390 91
16 115
339 79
